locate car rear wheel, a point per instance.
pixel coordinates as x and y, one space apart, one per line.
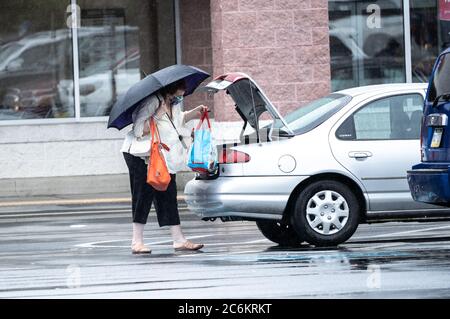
326 213
278 232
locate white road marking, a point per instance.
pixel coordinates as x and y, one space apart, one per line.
404 232
98 244
230 243
380 246
258 241
77 226
225 254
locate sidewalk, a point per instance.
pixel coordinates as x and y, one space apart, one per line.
69 202
62 186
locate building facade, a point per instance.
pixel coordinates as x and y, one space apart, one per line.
64 62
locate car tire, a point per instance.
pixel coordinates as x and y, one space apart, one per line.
278 232
326 213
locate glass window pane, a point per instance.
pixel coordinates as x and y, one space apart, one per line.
119 42
444 24
315 113
396 117
424 38
366 42
35 56
373 121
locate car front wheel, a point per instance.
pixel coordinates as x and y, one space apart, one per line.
326 213
278 232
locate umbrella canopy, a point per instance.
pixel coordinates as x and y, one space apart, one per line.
122 110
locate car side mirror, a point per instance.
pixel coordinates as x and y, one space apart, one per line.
15 65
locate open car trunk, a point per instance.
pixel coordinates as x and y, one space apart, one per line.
253 106
250 103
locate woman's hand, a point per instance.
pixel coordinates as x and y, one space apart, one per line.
146 128
201 109
195 113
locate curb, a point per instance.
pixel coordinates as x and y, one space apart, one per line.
86 201
89 185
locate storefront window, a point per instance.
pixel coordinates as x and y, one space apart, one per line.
35 56
119 42
424 38
366 43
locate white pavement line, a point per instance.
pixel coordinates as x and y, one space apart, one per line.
77 226
71 201
258 241
228 243
406 232
247 252
381 246
234 252
225 254
98 244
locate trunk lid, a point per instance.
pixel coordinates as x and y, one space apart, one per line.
250 100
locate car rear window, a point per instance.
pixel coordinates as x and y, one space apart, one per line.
309 116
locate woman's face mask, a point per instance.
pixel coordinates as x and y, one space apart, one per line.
176 100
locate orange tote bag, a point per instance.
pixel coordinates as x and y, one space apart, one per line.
157 173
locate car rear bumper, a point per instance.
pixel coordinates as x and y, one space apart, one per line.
429 183
246 196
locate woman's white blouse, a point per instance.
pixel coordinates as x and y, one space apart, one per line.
176 158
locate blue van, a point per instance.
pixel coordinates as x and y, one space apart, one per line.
429 181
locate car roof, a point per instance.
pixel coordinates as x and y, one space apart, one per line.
383 88
55 35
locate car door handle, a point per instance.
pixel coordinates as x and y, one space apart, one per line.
359 154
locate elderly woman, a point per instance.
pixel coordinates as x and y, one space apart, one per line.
164 107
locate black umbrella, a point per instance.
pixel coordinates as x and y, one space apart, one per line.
122 110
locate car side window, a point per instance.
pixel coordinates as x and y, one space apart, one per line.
38 58
393 118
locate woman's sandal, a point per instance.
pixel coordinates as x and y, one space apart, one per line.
140 249
189 246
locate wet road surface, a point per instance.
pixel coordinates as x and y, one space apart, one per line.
83 252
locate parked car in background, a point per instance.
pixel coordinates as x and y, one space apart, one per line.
316 173
429 181
36 72
102 82
29 71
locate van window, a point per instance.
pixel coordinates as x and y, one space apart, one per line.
440 83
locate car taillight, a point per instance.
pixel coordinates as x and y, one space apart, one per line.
227 156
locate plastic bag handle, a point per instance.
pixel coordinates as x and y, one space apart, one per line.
202 118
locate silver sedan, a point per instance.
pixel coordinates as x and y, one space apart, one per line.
317 173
